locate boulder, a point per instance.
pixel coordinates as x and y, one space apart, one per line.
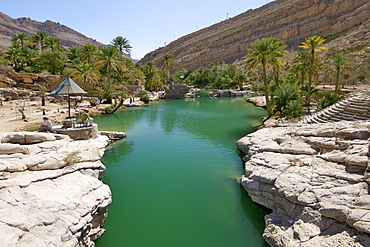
176 91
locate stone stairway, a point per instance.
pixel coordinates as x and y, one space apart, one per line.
356 107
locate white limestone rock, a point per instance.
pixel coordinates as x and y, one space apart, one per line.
47 199
7 148
315 179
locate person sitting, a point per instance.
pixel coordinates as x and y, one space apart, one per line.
47 126
86 119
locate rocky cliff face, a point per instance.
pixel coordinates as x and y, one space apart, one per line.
9 78
289 20
50 195
315 179
68 37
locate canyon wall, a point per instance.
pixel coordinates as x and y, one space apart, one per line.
289 20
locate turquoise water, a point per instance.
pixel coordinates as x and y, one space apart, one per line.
173 178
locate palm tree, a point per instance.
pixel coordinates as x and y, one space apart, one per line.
85 73
52 43
267 52
341 66
19 40
52 61
153 80
87 53
283 95
122 44
239 79
300 66
109 60
72 53
166 62
313 44
28 56
38 38
14 56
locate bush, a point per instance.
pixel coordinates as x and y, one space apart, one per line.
145 98
327 100
294 109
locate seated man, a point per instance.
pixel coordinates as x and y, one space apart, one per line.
86 119
47 126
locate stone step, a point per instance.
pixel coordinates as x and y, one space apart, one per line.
358 108
337 119
362 117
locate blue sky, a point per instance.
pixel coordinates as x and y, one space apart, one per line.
148 25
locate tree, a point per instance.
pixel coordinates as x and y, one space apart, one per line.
72 53
14 56
122 44
52 61
134 74
87 53
300 66
166 62
86 74
38 38
28 57
52 43
265 53
153 80
109 60
19 40
339 66
314 45
239 79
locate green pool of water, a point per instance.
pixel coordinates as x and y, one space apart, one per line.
173 178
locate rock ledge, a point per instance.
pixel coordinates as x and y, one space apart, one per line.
51 192
315 180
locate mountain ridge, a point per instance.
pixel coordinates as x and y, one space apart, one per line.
67 36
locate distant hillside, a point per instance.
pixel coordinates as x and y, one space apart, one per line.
289 20
67 36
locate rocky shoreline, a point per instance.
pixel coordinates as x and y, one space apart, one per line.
314 178
50 195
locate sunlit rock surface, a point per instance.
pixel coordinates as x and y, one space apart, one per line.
51 192
315 180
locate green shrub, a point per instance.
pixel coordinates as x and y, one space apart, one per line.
145 98
294 109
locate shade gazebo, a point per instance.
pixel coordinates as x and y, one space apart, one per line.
68 87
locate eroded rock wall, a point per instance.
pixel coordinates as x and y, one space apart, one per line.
289 20
9 79
51 192
315 179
